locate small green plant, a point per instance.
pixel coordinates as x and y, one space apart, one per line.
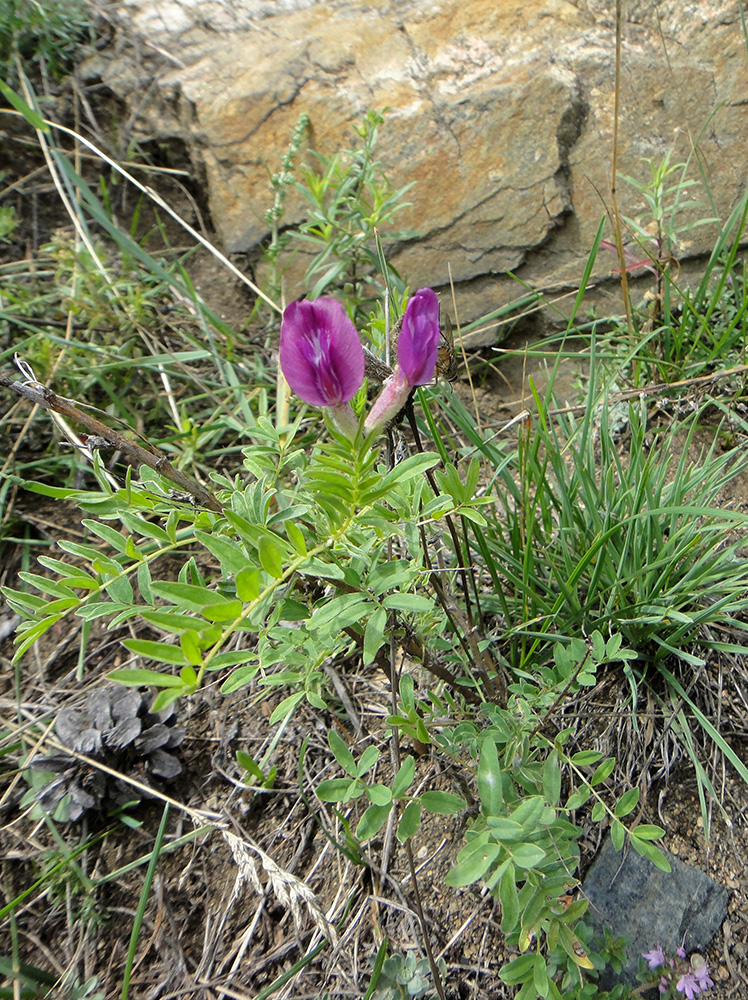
685 331
403 977
8 223
48 31
349 198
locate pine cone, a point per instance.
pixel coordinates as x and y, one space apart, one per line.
115 726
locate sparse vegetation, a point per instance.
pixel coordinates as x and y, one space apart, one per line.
414 639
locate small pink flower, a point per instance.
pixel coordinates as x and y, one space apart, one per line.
687 984
655 958
701 975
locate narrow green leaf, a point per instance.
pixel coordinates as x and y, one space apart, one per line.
191 646
627 803
138 677
247 762
603 771
617 834
529 811
518 970
410 468
161 651
367 760
404 778
271 556
372 822
144 582
585 757
408 603
379 795
527 855
342 754
650 852
295 537
230 554
248 584
505 830
407 692
109 534
374 634
335 790
489 779
240 678
509 903
540 976
34 120
552 779
286 707
443 803
171 620
647 831
473 863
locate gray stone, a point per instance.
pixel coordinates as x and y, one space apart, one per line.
634 899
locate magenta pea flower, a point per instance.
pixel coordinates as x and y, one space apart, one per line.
417 349
418 343
322 358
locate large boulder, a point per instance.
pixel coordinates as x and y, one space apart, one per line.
501 112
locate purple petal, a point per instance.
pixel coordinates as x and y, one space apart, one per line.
655 958
418 343
320 353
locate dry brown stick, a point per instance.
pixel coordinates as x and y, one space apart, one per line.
134 454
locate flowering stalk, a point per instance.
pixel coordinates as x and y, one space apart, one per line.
417 348
322 358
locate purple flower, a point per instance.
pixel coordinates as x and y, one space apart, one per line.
417 349
655 958
320 353
687 984
418 343
701 975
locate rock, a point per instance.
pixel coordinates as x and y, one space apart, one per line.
502 113
632 898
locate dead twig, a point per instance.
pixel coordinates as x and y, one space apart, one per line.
104 437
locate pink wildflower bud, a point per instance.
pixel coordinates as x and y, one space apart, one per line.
417 348
418 343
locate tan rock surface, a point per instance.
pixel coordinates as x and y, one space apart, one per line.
501 111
